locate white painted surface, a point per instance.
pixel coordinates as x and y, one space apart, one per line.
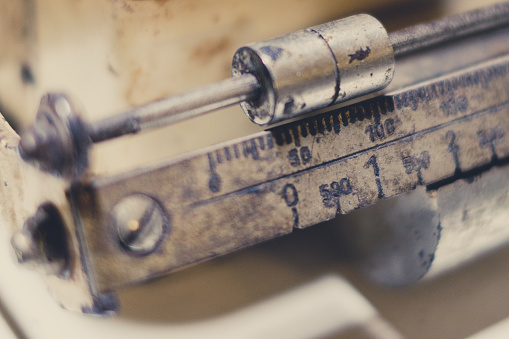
5 330
320 308
498 331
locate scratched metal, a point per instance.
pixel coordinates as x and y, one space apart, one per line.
24 189
245 191
316 67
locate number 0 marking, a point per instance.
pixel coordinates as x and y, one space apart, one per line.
291 197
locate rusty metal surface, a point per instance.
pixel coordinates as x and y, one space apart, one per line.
246 191
297 73
138 225
457 26
474 214
316 67
24 189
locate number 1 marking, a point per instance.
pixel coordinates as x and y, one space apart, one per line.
376 170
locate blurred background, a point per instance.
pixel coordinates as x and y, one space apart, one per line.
113 54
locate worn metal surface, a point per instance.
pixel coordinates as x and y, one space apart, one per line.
24 190
58 141
294 74
394 242
442 31
474 214
246 191
316 67
176 108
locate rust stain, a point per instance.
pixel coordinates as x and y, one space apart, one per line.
123 4
133 83
167 14
16 174
360 54
161 3
211 48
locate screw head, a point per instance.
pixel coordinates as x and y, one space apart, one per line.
28 144
58 140
141 223
24 247
25 241
42 242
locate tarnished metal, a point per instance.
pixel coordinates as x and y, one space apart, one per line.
394 241
245 191
123 229
316 67
474 215
176 108
43 241
58 141
34 208
141 223
416 38
291 75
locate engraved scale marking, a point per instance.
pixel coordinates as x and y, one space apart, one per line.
252 164
236 190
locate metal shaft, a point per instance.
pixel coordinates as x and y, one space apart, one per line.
247 87
176 108
421 36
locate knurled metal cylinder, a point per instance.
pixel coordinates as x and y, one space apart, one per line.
316 67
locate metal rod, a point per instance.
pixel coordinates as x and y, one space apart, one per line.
176 108
418 37
246 87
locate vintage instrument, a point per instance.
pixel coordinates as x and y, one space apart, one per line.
440 131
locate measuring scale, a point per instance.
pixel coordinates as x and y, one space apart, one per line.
97 234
